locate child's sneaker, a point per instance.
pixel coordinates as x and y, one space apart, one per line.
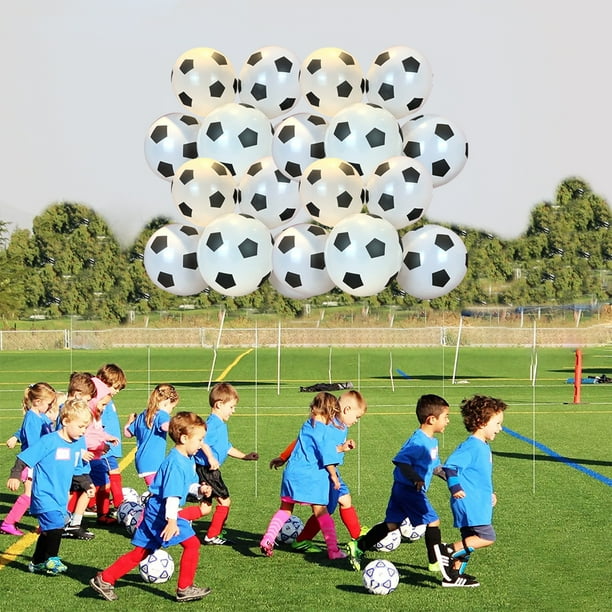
10 529
306 546
267 547
216 541
434 567
460 580
52 566
106 519
355 554
78 532
191 593
444 553
102 588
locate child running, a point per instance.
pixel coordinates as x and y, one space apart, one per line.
306 479
38 399
469 471
415 464
162 524
52 460
352 407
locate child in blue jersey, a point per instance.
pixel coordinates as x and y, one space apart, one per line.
52 460
38 399
307 475
352 407
150 428
163 524
469 470
114 378
415 464
222 398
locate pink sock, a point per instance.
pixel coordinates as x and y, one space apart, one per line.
20 507
278 520
329 533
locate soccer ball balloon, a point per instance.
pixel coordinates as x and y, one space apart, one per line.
170 259
158 567
390 542
434 262
298 262
290 530
203 79
269 81
364 135
235 254
410 532
439 144
400 191
331 79
399 79
297 142
380 577
203 189
170 142
362 254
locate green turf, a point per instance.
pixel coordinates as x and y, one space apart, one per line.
551 519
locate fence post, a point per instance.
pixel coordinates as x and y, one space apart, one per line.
577 376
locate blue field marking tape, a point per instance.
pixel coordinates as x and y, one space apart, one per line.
561 458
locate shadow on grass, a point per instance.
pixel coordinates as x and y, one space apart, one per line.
531 457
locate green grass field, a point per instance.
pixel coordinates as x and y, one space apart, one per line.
552 516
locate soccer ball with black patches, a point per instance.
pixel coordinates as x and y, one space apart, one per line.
267 194
362 254
170 142
438 143
157 567
171 262
237 135
434 262
380 577
297 142
410 532
330 190
203 79
298 262
331 79
203 189
400 191
390 542
399 79
235 254
269 81
364 135
290 530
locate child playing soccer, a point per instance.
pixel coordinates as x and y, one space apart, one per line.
306 479
415 464
469 472
52 460
352 408
222 398
162 524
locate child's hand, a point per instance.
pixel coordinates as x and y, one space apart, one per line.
87 456
205 490
13 484
347 446
493 499
12 442
251 457
131 419
91 492
335 482
170 530
114 441
419 485
277 462
213 464
459 494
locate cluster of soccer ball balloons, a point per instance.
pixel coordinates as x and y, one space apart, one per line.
311 200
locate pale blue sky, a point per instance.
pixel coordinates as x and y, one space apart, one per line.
527 81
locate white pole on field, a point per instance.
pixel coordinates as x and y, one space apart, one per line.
391 371
278 359
329 364
214 361
457 349
534 372
256 402
148 369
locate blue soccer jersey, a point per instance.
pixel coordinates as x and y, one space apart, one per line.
217 437
53 461
470 466
421 453
112 426
305 478
33 427
172 479
150 441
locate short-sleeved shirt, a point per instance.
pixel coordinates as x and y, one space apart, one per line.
53 460
305 478
421 453
33 427
172 479
472 460
151 441
112 425
217 437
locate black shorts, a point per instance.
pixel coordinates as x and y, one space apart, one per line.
214 479
81 483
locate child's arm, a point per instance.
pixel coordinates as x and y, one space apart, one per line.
283 457
126 429
410 473
454 486
210 457
171 529
347 446
333 475
14 478
238 454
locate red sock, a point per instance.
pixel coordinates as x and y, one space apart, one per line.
351 521
72 500
124 564
189 562
190 513
311 528
116 488
102 501
218 520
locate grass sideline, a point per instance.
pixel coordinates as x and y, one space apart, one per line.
548 516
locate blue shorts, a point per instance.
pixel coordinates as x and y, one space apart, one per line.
54 519
406 501
486 532
336 494
99 471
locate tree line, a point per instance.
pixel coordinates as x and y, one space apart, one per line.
70 263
